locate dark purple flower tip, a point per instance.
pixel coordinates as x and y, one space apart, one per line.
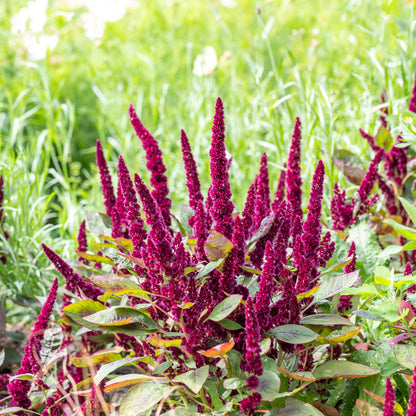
389 399
370 139
293 178
200 231
252 383
155 164
192 178
385 110
408 270
262 203
222 208
250 403
106 184
82 242
369 178
350 267
412 401
248 212
412 103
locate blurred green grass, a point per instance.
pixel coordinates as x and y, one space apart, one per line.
325 62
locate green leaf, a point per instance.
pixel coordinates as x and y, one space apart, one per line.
233 383
269 385
106 369
225 308
411 245
386 308
382 275
229 324
113 283
293 334
365 289
367 409
410 209
347 369
336 284
94 258
362 313
194 379
384 139
208 268
337 266
121 315
217 246
78 310
264 228
141 398
100 357
405 355
162 367
213 393
294 407
11 410
406 232
324 319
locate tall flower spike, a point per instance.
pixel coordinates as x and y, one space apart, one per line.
82 242
262 207
19 389
137 231
222 208
369 178
159 232
155 165
344 303
200 231
389 398
266 289
411 411
311 236
408 269
412 103
370 139
74 282
293 178
192 178
280 191
119 216
106 184
252 362
248 211
282 242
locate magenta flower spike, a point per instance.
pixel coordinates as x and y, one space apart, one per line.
408 270
74 282
280 191
222 208
19 389
389 399
282 242
82 242
312 227
396 163
411 411
106 184
248 211
159 232
155 165
250 403
200 231
345 300
137 232
412 103
262 203
370 139
120 226
390 198
251 362
192 178
369 178
293 178
342 212
266 289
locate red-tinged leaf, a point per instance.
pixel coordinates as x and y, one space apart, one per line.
100 357
127 380
134 260
381 400
346 369
98 246
352 174
113 283
297 375
124 242
325 319
217 246
294 334
78 310
362 346
399 338
405 355
136 293
94 258
163 343
407 305
343 334
264 228
219 350
269 386
367 409
325 410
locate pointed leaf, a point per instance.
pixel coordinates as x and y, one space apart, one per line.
264 228
100 357
107 369
367 409
324 319
113 283
164 343
298 375
11 410
405 355
78 310
127 380
294 407
219 350
225 308
217 246
347 369
94 258
406 232
343 334
384 139
208 268
381 400
194 379
141 398
332 286
293 334
229 324
269 385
